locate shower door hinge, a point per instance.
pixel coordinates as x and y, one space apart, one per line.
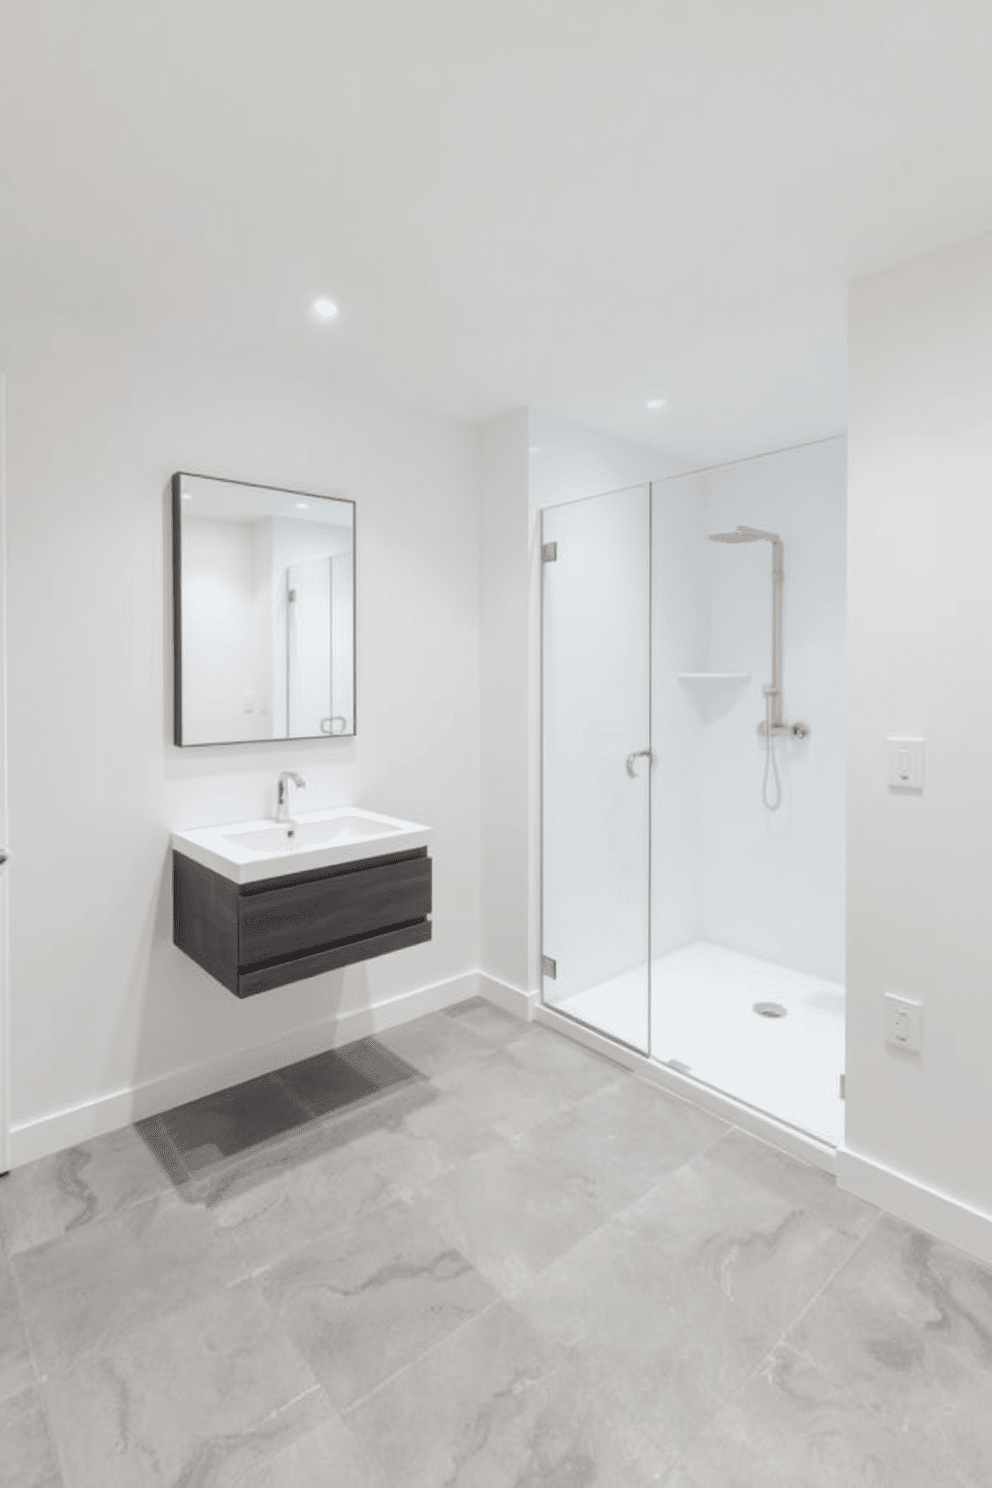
549 967
549 552
292 596
841 1091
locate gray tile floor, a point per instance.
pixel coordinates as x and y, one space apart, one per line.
471 1254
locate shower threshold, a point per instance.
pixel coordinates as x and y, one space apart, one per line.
704 1028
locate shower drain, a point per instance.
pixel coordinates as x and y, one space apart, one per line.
770 1009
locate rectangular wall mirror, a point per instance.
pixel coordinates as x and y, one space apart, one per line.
264 612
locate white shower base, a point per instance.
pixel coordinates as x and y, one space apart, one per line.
703 1023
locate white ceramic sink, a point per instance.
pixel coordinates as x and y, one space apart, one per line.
247 851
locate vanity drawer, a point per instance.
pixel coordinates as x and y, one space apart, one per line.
264 977
286 921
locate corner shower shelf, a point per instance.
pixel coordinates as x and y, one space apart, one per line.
713 676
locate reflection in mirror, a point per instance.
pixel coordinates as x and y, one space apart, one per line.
264 595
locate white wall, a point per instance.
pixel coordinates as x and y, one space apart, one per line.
567 461
920 663
101 999
510 793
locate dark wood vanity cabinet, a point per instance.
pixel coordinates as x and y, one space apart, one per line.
256 936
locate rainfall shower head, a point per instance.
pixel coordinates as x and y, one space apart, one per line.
744 534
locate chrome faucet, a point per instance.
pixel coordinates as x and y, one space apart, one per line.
282 793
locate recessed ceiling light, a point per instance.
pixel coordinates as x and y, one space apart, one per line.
187 495
326 309
302 506
535 449
655 403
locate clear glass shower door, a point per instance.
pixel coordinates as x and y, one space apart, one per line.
596 631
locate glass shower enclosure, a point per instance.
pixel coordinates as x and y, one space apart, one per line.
693 776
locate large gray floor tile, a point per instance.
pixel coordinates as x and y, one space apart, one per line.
489 1407
205 1132
435 1044
343 1129
201 1397
567 1067
16 1369
662 1352
487 1022
268 1219
900 1314
102 1281
27 1453
802 1185
501 1092
327 1457
343 1077
751 1224
426 1141
507 1214
374 1297
619 1142
57 1194
792 1425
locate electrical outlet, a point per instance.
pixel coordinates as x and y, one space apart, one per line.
903 1023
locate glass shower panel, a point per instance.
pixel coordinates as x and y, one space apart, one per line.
597 766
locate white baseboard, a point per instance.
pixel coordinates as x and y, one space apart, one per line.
62 1129
929 1209
511 999
787 1138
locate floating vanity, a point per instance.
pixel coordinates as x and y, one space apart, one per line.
263 903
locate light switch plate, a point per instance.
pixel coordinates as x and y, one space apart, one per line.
906 763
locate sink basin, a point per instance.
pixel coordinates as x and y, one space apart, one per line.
305 833
247 851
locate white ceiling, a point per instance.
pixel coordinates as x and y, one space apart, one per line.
567 204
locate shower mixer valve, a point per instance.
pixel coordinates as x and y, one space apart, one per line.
780 729
785 730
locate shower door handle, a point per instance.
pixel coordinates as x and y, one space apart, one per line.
637 754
